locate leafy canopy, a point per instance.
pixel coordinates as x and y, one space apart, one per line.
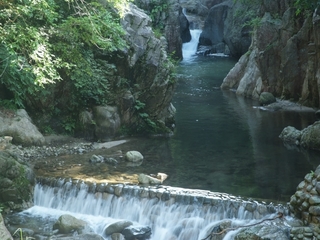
46 41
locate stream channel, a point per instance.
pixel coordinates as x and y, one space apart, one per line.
222 143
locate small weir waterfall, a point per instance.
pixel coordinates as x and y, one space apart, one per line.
170 213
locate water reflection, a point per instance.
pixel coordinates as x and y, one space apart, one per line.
222 143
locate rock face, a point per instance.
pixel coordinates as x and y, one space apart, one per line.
168 15
149 68
16 181
224 28
283 56
19 126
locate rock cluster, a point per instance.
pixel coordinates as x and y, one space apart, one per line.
306 138
305 205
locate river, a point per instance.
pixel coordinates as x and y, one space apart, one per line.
222 142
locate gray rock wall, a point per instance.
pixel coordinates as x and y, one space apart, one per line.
283 57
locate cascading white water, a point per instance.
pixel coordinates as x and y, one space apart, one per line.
189 49
168 220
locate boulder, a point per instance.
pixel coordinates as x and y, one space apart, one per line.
20 127
291 135
117 227
310 137
261 232
69 224
217 231
96 159
134 156
266 98
146 179
134 232
4 233
107 122
16 180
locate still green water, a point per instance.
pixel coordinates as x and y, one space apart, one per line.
223 143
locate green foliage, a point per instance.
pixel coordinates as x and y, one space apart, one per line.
305 5
146 124
154 9
46 41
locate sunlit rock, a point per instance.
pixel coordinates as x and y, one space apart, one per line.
68 224
162 176
146 179
20 127
134 156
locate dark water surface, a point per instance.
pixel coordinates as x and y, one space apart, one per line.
223 143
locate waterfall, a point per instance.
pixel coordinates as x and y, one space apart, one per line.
167 219
189 49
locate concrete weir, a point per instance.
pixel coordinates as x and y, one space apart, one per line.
225 204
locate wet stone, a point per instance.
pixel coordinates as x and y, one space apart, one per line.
251 207
315 210
144 193
165 196
110 189
301 185
309 177
118 190
318 187
314 200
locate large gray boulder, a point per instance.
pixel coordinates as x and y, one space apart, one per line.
16 181
69 224
134 156
117 227
4 233
134 232
19 126
310 137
